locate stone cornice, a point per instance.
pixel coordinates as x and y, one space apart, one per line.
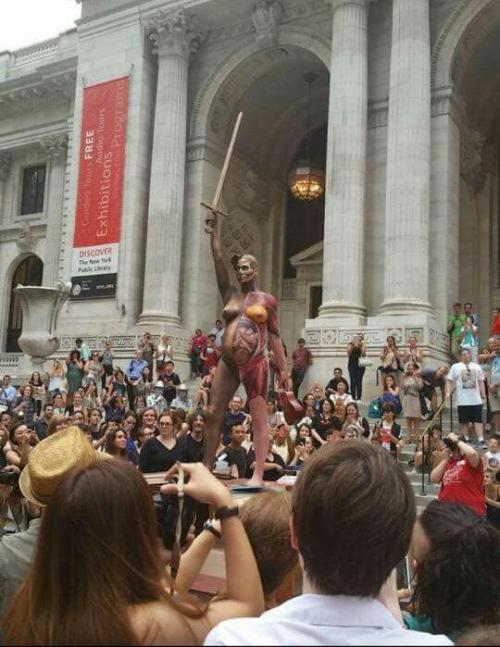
290 13
39 89
28 137
10 233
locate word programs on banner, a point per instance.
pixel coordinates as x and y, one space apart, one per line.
100 190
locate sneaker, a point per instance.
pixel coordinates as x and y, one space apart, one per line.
481 442
467 439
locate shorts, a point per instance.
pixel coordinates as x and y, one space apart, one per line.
470 413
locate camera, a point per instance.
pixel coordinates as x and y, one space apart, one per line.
9 478
451 444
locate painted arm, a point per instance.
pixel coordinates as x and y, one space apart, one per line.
221 272
279 358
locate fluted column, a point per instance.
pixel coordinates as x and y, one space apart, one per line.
346 163
55 148
408 162
5 165
174 41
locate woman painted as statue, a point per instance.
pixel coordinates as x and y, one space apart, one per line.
251 319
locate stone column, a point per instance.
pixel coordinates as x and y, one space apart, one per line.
5 164
346 164
173 41
55 148
408 162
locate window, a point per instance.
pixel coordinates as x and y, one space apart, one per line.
33 189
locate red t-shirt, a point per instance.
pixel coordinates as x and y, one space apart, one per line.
495 329
463 483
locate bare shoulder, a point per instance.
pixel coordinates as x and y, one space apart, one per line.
159 623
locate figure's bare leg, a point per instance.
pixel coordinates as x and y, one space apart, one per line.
258 411
226 381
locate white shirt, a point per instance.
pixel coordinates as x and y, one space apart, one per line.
467 378
321 620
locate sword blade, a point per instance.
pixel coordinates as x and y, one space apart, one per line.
225 167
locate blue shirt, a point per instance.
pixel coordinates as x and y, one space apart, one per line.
135 368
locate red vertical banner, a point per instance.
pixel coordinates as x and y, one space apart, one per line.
100 190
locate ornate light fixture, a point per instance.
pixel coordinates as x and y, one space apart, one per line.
306 180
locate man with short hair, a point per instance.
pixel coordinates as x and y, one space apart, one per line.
301 360
234 416
468 378
171 381
350 537
218 332
41 425
331 387
432 379
133 375
7 393
235 454
455 324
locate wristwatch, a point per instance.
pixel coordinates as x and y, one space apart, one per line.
225 512
208 526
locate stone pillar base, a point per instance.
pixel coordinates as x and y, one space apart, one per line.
349 313
157 318
405 308
328 344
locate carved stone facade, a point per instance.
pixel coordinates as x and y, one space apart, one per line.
395 256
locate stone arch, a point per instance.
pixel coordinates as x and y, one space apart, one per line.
468 23
304 39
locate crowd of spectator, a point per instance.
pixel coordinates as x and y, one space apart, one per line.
67 576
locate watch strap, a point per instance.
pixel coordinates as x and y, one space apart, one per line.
208 526
226 512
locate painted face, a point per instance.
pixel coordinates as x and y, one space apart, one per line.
245 272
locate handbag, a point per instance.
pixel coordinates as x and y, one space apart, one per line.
292 409
364 362
374 409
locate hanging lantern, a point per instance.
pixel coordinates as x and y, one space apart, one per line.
307 180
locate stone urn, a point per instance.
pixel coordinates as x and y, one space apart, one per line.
41 307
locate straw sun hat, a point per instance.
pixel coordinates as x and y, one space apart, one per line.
50 461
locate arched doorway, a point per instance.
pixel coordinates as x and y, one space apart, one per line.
28 272
263 219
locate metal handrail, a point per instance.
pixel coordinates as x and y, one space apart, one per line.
439 412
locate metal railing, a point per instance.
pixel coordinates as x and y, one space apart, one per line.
426 452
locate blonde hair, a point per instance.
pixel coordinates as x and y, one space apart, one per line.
247 258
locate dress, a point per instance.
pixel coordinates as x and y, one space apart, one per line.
74 377
411 398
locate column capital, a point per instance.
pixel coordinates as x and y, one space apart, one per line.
5 165
173 33
55 146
